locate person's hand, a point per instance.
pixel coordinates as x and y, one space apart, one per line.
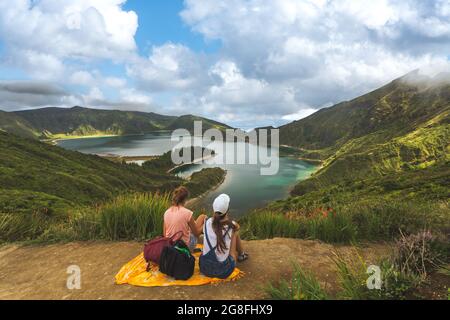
237 226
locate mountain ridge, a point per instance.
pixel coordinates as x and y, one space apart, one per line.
398 132
54 122
377 110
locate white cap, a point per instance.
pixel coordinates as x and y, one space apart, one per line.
221 204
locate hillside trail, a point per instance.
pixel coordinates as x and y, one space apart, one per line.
40 272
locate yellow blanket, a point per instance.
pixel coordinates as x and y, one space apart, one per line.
134 273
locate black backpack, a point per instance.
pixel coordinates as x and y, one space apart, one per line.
177 261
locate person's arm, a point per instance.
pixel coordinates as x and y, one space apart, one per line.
196 230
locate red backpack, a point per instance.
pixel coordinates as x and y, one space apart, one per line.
154 248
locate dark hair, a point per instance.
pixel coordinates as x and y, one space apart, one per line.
179 196
218 224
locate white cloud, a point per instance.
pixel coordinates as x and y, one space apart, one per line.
234 92
299 115
279 60
372 14
61 42
95 94
70 28
134 97
435 69
317 51
40 36
115 82
169 67
128 99
38 65
83 78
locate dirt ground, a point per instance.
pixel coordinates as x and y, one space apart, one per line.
40 272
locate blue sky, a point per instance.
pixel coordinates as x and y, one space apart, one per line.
244 62
160 22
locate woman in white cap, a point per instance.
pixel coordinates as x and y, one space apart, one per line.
222 245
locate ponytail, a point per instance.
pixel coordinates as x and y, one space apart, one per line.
218 224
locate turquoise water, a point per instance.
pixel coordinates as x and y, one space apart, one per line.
244 183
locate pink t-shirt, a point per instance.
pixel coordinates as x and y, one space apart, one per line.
176 219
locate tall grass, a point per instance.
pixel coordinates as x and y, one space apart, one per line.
348 223
331 228
352 277
268 224
85 224
302 286
384 220
139 216
128 217
21 226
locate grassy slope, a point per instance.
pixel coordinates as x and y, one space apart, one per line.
187 122
386 139
78 121
390 111
16 125
35 175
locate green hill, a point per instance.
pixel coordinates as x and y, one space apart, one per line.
78 121
187 122
14 124
391 111
392 140
38 176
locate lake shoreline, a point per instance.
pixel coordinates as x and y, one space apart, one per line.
246 185
196 161
55 141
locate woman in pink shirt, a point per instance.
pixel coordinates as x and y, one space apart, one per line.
177 218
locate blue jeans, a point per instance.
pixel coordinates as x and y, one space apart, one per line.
212 268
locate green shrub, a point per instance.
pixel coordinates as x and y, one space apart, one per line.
397 285
353 275
302 286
